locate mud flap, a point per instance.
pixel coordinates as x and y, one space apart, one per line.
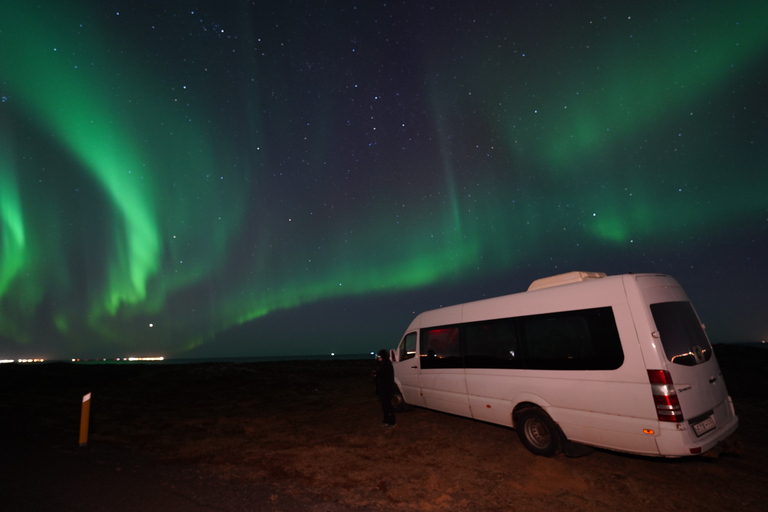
571 449
731 445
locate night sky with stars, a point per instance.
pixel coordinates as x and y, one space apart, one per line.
268 178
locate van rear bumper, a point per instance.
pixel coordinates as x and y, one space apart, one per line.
678 439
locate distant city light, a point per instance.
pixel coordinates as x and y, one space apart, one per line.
118 359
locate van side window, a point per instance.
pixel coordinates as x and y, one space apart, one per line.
681 333
440 348
586 339
492 344
407 347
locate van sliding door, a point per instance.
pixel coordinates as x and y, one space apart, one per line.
442 370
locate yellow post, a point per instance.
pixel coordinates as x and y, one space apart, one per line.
85 413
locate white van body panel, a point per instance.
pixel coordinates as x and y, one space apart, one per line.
446 391
613 408
409 382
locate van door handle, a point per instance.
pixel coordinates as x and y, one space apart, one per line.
712 380
414 366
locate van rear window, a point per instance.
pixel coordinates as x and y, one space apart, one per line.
681 333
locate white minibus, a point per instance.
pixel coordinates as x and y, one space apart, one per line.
579 360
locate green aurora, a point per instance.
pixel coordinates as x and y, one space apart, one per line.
199 171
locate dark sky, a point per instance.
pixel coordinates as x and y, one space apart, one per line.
239 178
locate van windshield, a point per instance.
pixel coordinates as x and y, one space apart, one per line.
681 333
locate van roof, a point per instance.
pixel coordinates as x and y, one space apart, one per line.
576 276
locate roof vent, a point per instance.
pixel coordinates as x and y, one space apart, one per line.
561 279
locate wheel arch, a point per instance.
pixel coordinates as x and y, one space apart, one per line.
526 402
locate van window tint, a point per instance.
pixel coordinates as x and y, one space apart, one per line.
407 347
492 344
586 339
440 348
681 333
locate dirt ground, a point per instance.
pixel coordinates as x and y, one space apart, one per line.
306 436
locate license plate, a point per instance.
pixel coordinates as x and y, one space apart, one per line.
704 426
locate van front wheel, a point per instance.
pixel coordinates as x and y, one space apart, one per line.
398 402
538 433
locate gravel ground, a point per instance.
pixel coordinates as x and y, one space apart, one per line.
289 436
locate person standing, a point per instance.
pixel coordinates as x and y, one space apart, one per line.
385 388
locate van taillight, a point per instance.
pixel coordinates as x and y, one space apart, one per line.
665 396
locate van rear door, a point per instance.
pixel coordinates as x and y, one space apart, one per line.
692 365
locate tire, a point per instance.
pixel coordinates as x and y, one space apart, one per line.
538 433
398 402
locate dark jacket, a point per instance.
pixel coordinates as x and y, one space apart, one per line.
385 379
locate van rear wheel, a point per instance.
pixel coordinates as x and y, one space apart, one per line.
538 433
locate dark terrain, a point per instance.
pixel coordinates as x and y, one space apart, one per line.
289 436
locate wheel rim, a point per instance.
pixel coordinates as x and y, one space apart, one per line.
537 434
